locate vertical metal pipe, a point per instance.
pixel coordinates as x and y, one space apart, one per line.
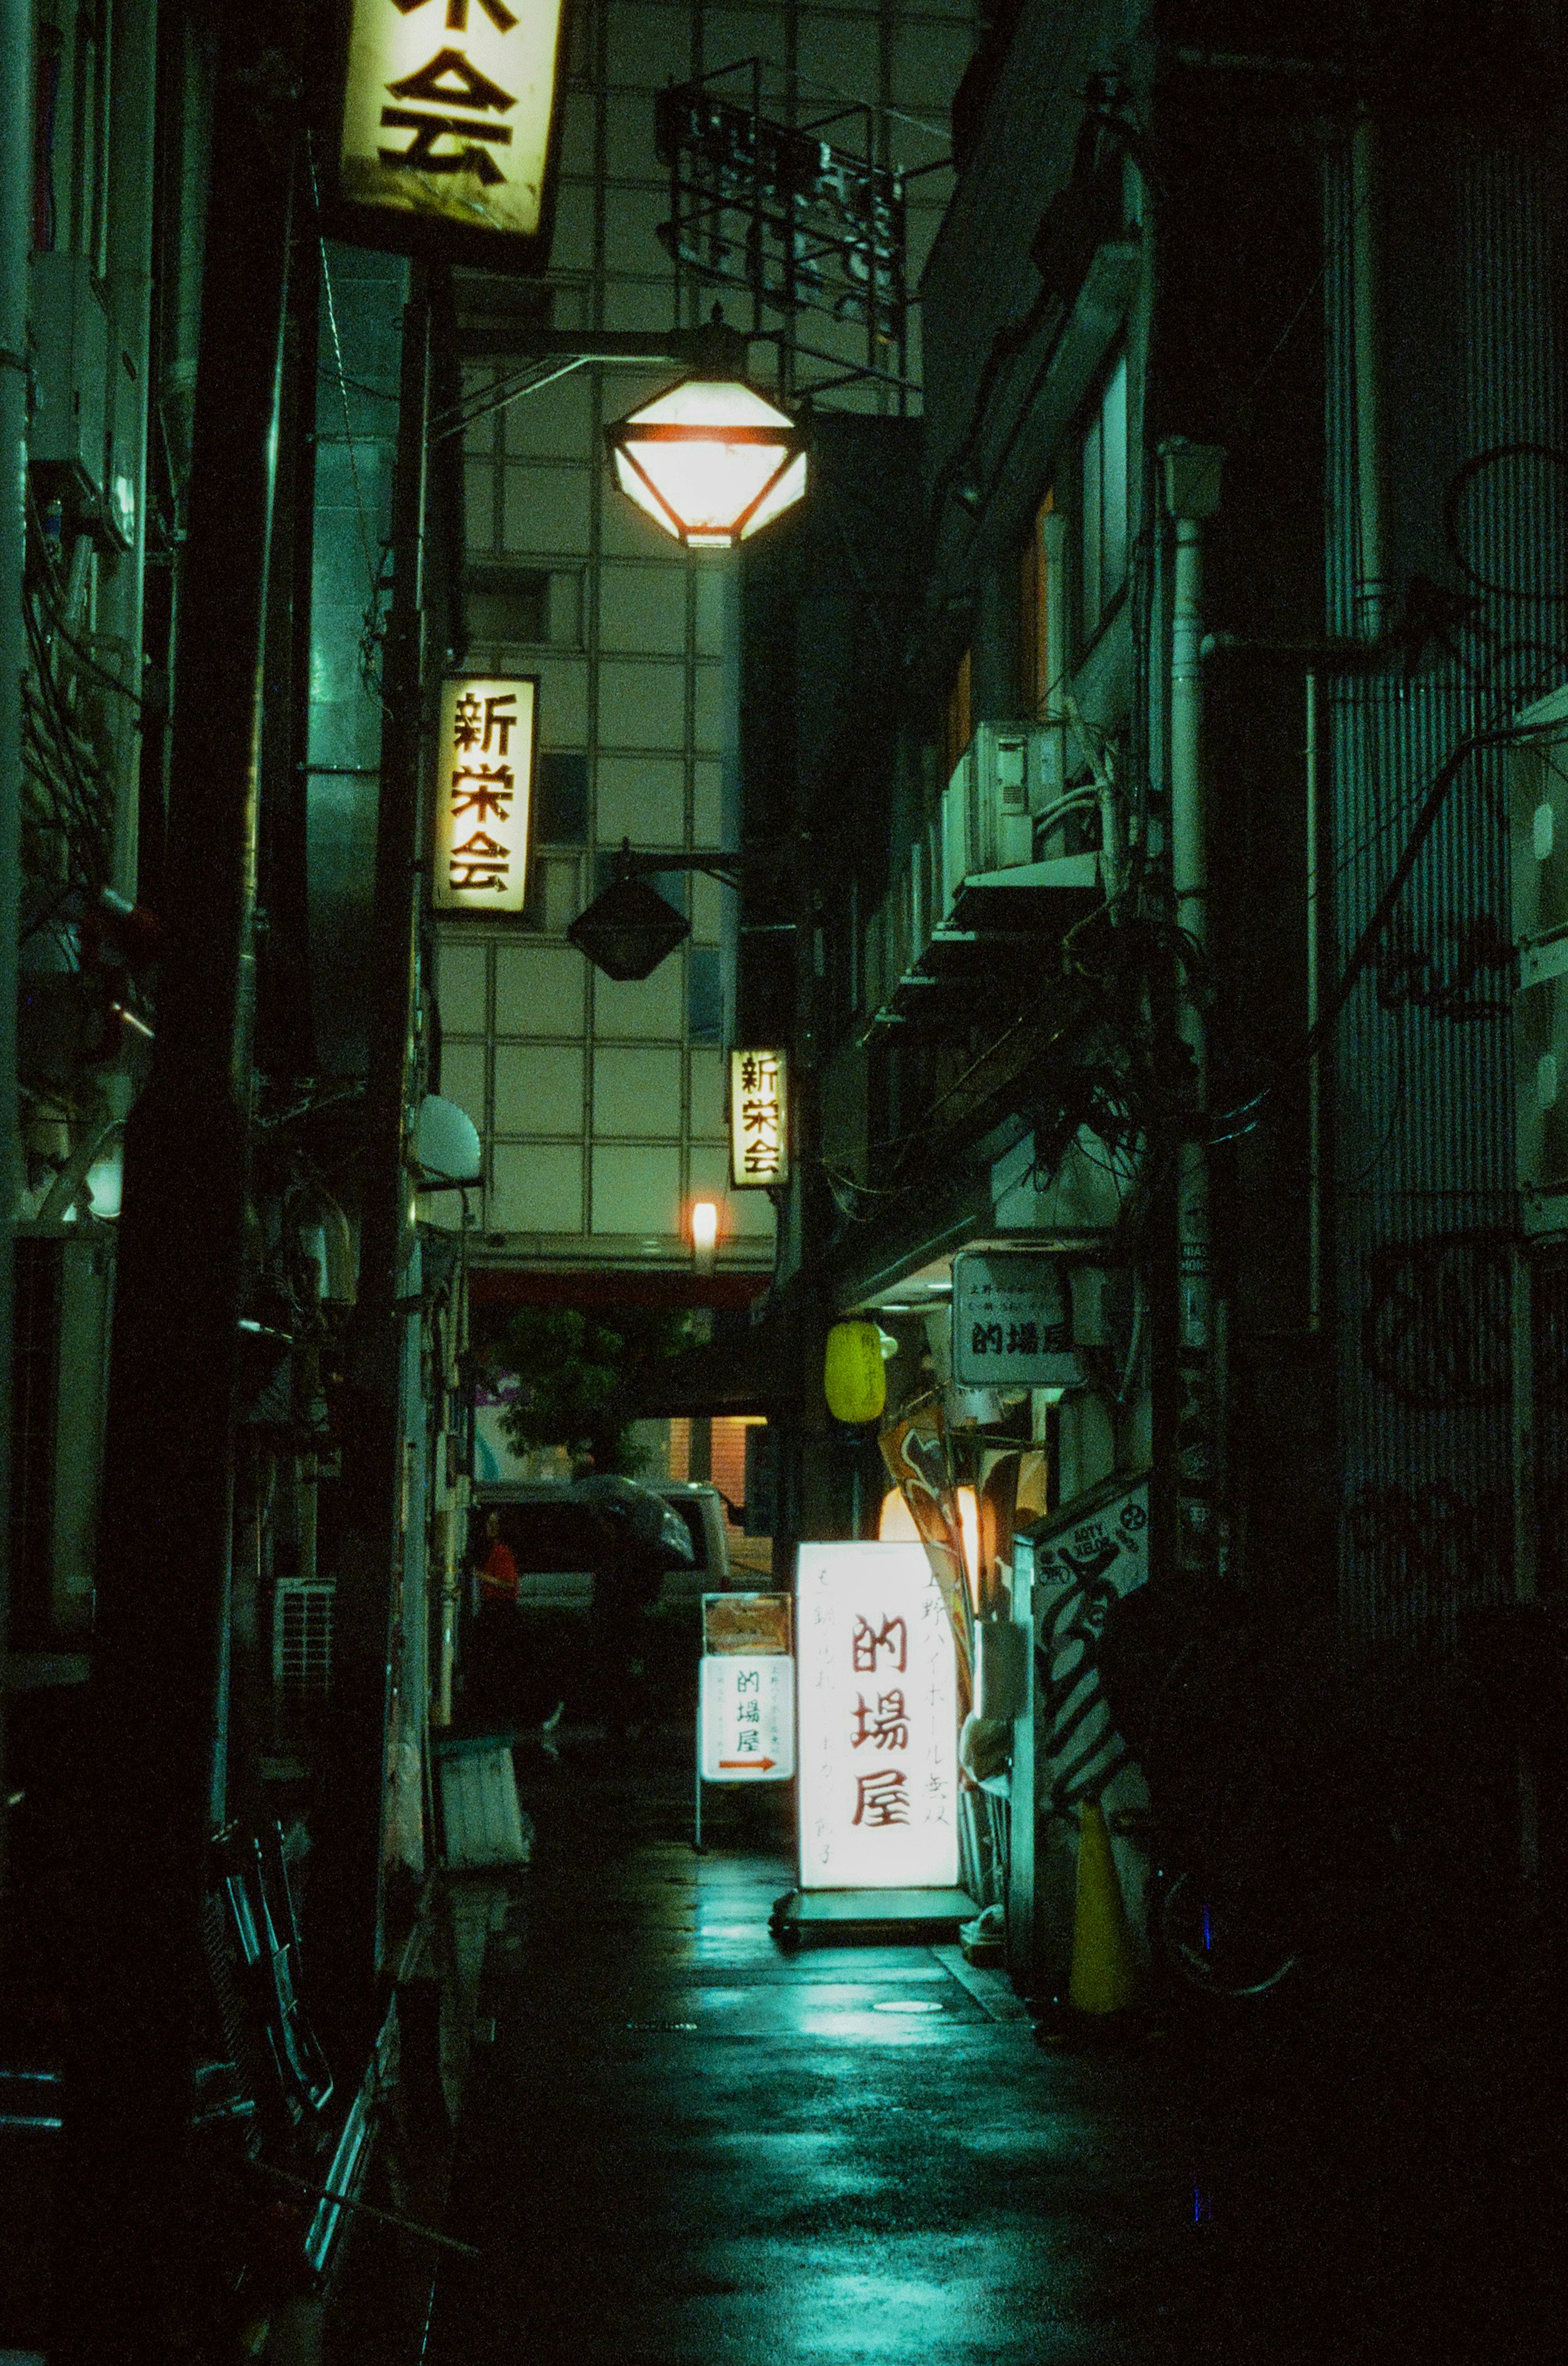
166 1526
1372 591
1189 887
1315 1064
16 214
134 67
1192 491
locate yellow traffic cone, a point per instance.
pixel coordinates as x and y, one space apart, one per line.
1103 1978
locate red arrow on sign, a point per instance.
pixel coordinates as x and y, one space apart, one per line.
764 1763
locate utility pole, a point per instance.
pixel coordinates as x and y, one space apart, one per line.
347 1946
130 2217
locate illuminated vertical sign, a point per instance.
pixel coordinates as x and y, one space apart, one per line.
482 793
746 1698
448 112
759 1119
878 1722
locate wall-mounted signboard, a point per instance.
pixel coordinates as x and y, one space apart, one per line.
759 1119
448 127
484 793
879 1772
1013 1322
746 1724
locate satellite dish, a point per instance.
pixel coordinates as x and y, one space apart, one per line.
446 1145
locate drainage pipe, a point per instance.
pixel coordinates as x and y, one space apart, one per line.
1192 494
1371 588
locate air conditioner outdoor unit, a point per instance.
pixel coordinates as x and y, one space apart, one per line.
1538 804
69 339
897 939
1538 812
1540 1068
999 785
875 959
919 899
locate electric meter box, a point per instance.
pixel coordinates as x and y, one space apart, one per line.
70 337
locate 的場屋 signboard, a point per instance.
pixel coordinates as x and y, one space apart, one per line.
759 1119
448 126
878 1770
484 785
1013 1322
746 1710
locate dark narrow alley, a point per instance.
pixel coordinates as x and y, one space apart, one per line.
686 2146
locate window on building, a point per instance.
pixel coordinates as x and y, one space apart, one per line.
560 794
1034 593
1102 515
704 995
958 721
527 607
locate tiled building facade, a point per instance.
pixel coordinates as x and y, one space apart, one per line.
603 1105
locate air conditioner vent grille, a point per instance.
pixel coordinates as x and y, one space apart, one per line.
302 1640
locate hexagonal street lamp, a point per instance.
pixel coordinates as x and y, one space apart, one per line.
710 459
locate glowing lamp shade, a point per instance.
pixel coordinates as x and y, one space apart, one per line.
854 1379
704 1230
710 460
896 1524
968 1535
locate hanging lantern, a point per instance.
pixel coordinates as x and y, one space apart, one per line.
853 1380
710 460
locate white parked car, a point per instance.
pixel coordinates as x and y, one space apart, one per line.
551 1529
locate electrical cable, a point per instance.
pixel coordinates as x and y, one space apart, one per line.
1458 486
461 416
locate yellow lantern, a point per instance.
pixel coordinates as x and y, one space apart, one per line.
854 1378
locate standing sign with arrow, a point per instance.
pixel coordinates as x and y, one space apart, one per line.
746 1726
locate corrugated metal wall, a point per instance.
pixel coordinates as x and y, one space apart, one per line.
1471 320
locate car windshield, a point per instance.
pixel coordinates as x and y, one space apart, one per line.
691 1512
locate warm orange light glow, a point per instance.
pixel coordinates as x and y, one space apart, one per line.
968 1531
704 1226
896 1526
709 460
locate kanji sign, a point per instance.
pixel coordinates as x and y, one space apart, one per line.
482 793
879 1720
759 1119
746 1720
447 115
1012 1321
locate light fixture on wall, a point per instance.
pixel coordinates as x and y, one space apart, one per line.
704 1233
710 460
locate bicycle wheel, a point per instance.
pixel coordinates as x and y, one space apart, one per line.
1216 1945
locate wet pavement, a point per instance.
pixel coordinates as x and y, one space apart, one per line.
683 2145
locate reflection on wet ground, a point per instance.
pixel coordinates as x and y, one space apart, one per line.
685 2147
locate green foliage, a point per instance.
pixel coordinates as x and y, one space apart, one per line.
582 1375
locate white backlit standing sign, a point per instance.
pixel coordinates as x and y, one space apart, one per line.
878 1775
447 114
759 1119
746 1717
483 791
